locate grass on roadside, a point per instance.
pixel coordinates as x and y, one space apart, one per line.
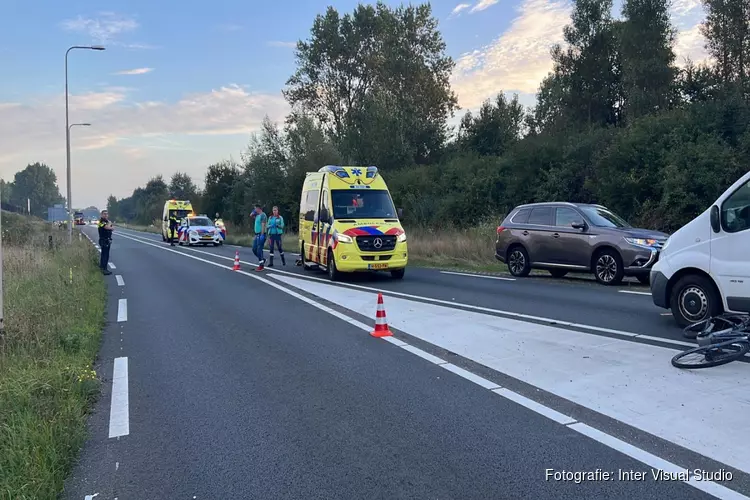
51 337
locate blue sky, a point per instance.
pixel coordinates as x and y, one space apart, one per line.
183 85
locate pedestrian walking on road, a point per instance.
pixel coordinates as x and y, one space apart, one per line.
260 235
275 231
105 240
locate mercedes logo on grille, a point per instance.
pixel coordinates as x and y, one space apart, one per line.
377 243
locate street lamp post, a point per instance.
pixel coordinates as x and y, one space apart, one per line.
67 134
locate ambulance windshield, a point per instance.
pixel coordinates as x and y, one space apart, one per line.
362 204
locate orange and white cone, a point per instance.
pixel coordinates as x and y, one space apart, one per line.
236 261
381 324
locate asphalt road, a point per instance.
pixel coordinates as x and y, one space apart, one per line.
236 389
625 308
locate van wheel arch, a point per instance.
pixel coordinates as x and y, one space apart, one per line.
716 306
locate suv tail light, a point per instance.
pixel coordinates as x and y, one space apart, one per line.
500 229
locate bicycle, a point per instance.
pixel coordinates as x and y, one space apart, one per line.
721 340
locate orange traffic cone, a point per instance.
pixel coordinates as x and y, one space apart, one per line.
381 324
236 261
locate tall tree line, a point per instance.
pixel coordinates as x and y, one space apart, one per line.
615 122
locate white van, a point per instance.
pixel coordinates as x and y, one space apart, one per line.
704 268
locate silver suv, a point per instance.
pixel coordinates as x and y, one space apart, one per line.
576 237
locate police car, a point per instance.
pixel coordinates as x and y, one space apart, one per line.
198 230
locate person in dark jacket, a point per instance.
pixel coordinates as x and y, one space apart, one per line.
173 225
105 240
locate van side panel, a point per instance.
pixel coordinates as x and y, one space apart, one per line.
309 203
323 228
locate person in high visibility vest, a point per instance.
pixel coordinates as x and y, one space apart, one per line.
173 224
219 223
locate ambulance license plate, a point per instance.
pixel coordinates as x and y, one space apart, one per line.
377 266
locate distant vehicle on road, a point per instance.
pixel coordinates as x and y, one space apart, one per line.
576 237
78 219
704 267
177 208
348 223
198 230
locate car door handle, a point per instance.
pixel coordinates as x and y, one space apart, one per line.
556 235
525 233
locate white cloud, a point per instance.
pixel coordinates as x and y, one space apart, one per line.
482 5
460 8
282 44
137 71
519 59
124 132
230 27
104 28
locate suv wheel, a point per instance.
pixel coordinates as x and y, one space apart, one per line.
694 298
608 268
518 262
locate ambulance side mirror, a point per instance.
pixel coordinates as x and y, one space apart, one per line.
165 218
400 213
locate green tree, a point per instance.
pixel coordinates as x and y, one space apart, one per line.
648 73
38 184
727 32
587 71
495 129
381 64
220 177
181 187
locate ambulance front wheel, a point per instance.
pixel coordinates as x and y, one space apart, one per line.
398 274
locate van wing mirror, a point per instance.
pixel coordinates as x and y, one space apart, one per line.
578 225
400 212
715 219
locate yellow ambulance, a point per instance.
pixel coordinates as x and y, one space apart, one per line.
348 223
178 208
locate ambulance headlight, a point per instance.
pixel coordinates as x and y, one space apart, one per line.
343 238
401 238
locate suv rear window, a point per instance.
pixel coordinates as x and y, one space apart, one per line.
541 216
521 217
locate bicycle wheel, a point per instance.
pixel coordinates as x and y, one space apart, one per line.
711 355
722 323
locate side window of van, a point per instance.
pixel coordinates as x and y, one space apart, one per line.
325 213
735 211
310 206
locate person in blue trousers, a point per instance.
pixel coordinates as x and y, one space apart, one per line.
260 235
275 231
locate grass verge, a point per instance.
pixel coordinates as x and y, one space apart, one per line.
52 332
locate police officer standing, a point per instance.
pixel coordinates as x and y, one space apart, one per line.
105 240
172 227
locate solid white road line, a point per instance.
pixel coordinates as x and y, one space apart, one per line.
112 266
432 300
479 276
707 486
635 293
122 310
91 497
656 463
120 281
119 413
532 405
471 377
